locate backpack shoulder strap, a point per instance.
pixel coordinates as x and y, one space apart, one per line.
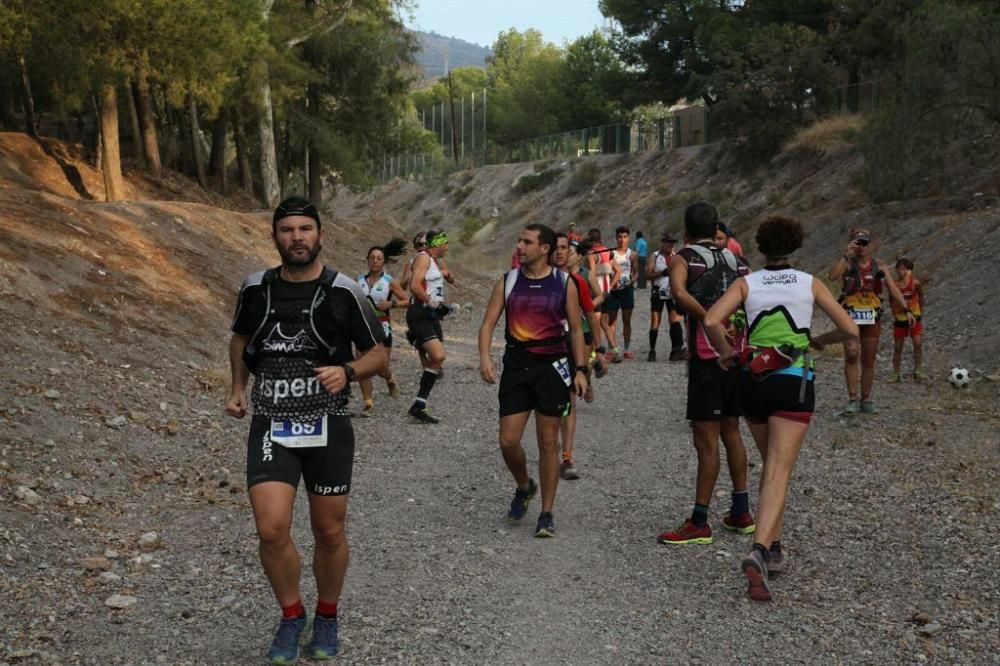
730 259
328 276
706 255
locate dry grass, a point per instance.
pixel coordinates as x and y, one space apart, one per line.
827 137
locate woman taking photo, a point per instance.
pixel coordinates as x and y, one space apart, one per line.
385 293
776 381
863 283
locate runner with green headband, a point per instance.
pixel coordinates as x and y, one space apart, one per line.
424 318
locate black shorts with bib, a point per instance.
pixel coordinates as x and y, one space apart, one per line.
538 386
326 470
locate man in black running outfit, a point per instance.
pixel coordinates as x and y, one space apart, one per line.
294 329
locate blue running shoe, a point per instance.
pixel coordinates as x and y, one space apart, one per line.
519 505
285 646
546 527
324 641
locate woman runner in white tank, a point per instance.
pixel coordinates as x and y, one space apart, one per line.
385 293
776 387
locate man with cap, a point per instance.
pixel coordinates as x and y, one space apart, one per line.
571 233
657 270
294 330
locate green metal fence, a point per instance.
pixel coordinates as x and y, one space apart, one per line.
687 127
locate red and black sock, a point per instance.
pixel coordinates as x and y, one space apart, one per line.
293 611
326 610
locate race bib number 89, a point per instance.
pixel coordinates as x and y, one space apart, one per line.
299 434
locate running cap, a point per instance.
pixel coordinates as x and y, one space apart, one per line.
437 240
726 230
861 234
571 225
295 205
667 238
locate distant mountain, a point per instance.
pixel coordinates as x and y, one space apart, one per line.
438 54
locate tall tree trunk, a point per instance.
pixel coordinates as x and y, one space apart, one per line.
147 123
7 109
62 122
196 154
111 163
133 118
242 153
94 141
270 186
217 158
28 102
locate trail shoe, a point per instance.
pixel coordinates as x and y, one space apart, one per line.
369 409
853 407
868 407
895 378
651 356
324 641
755 569
775 562
568 471
285 646
545 529
687 533
677 354
919 375
617 356
393 387
519 505
422 415
628 355
600 370
741 524
588 394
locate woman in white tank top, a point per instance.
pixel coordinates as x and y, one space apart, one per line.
779 303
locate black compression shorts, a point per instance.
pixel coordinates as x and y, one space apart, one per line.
778 395
657 303
421 326
325 469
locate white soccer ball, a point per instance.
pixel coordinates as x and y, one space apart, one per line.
959 378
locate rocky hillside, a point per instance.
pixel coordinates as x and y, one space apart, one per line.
951 236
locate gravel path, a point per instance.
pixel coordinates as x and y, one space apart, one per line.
891 534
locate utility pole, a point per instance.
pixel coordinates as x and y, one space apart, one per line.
463 128
472 124
485 148
451 101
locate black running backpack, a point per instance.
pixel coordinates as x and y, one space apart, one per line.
721 271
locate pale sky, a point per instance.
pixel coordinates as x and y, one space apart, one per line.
480 21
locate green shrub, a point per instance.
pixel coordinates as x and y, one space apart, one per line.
535 181
583 178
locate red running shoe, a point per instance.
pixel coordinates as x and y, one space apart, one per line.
687 533
741 524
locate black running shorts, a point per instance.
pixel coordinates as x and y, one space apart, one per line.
657 303
619 299
325 469
713 393
778 395
421 327
540 387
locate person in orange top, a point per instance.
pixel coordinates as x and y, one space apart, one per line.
913 293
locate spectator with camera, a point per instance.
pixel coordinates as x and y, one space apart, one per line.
863 283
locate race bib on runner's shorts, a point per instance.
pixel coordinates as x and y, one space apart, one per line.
299 434
863 317
562 367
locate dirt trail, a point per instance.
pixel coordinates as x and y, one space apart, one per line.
114 329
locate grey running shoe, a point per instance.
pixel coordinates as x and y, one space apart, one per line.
853 407
868 407
755 569
568 471
775 562
285 646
